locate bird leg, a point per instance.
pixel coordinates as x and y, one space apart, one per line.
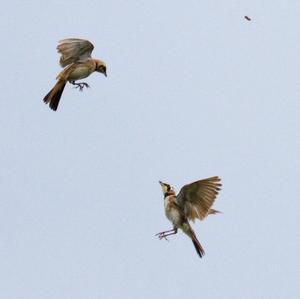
80 85
163 235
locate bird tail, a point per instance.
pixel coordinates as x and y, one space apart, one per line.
53 96
189 231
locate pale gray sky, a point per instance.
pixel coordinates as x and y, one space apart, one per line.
193 90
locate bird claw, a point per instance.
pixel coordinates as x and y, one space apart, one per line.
162 236
80 85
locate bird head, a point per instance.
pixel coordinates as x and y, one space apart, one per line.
100 67
167 189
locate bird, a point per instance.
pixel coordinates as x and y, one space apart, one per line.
247 18
194 201
77 63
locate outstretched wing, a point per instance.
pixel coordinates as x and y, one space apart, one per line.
74 49
197 198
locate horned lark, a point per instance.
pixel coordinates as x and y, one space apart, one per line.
78 64
193 201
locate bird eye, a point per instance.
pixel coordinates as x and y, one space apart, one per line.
102 69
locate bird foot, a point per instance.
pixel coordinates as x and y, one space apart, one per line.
165 234
80 85
162 235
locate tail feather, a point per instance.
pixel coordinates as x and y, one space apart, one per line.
53 96
189 231
198 246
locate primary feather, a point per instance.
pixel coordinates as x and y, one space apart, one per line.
196 198
73 50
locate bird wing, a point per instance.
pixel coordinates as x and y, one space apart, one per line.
196 198
74 49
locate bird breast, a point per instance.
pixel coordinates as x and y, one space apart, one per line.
80 72
172 211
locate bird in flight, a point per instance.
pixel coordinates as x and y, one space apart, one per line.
194 201
77 63
247 18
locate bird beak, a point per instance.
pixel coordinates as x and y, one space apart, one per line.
105 74
161 183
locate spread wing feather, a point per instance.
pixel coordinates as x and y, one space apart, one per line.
197 198
74 49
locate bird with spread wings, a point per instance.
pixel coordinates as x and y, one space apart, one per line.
77 63
194 201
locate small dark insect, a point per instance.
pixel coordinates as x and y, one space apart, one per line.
247 18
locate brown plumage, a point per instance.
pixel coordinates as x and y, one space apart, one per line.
197 244
73 49
193 201
78 64
196 198
53 96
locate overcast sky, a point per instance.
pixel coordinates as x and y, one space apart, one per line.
193 90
